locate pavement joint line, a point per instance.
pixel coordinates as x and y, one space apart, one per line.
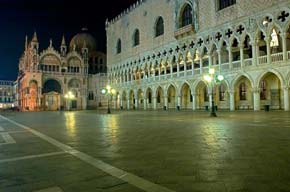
107 168
7 138
11 132
31 157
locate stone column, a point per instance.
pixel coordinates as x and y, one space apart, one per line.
136 102
166 102
284 46
230 57
254 53
232 100
192 68
121 102
154 103
209 59
268 50
145 103
286 98
256 97
179 101
177 65
128 103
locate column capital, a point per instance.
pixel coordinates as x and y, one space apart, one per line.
286 87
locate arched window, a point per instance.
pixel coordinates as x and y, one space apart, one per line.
159 27
186 16
225 3
263 88
243 91
119 46
136 38
222 92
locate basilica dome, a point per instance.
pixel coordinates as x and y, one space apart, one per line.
79 39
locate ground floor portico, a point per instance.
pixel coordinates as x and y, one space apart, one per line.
251 90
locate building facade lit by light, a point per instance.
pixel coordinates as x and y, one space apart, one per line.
45 76
7 94
159 50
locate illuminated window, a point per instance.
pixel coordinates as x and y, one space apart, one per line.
136 38
243 91
186 17
159 28
225 3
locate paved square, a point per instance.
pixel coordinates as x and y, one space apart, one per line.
146 151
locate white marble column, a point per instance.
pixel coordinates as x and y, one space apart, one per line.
284 46
286 98
232 100
256 96
268 50
179 101
154 103
166 102
145 103
219 59
254 53
121 102
230 57
128 104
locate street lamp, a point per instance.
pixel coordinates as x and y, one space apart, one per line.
69 96
212 80
109 92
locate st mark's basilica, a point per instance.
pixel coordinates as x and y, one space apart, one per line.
47 76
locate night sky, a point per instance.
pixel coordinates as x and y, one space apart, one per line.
50 19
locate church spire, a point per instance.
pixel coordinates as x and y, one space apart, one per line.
63 48
63 41
34 38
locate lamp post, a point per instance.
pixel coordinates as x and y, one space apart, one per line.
69 96
109 92
212 79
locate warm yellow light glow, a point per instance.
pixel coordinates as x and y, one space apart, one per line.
113 91
108 87
70 122
207 78
211 71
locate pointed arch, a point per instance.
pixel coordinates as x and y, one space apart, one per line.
186 16
159 27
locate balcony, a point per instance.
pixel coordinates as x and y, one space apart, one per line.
186 30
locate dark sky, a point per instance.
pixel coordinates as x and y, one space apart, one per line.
50 19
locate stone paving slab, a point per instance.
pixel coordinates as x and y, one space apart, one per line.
182 151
